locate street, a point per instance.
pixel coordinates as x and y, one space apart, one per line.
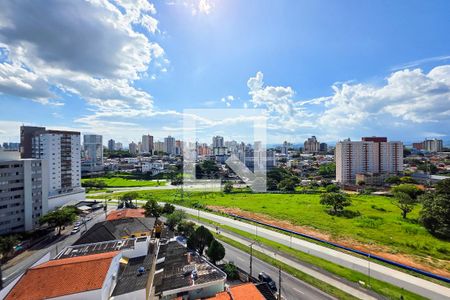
21 266
291 287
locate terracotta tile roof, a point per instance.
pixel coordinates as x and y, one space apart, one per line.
245 291
126 213
63 277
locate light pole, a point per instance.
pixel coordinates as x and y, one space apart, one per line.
251 260
279 281
368 261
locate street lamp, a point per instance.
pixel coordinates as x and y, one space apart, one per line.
251 260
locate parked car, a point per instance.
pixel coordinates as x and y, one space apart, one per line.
77 224
75 230
263 277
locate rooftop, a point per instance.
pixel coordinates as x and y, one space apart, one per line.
55 278
176 265
245 291
126 213
96 248
134 275
116 229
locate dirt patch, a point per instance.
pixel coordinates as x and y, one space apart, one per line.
429 264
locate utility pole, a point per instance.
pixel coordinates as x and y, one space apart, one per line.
369 270
251 262
279 282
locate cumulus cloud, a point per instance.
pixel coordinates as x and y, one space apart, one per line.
227 100
88 48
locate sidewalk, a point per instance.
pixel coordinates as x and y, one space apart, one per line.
331 281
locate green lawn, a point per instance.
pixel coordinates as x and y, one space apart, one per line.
125 182
379 222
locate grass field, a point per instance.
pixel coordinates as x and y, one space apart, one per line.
125 182
378 223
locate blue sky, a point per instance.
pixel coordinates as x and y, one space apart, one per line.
334 69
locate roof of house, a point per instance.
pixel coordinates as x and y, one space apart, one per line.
130 278
116 229
61 277
126 213
96 248
245 291
177 266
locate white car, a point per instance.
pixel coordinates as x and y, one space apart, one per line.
75 230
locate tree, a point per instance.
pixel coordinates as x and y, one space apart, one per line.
168 209
7 244
201 238
231 271
152 209
228 187
327 170
410 189
216 251
337 201
435 213
393 180
287 185
332 188
186 228
175 218
129 196
405 202
59 218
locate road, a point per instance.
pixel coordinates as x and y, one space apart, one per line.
414 284
21 266
291 287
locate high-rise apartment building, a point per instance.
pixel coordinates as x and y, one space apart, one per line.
169 145
92 152
147 144
118 146
433 145
371 155
311 145
111 145
23 192
323 147
217 142
159 147
133 148
62 152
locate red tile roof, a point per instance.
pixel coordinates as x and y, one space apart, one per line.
126 213
246 291
63 277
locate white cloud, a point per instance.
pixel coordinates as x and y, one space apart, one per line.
227 100
99 62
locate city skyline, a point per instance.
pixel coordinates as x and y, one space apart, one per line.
316 73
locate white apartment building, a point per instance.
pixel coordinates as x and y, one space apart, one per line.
133 148
93 152
147 144
62 150
169 145
311 145
23 192
433 145
371 155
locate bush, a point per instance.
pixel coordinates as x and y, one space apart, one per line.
231 271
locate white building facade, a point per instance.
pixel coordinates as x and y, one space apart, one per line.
371 155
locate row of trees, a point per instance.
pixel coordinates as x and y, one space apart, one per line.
60 218
202 238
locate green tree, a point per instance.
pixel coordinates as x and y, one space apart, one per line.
435 213
410 189
152 209
168 209
337 201
332 188
175 218
405 202
216 251
59 218
287 185
7 244
201 238
393 180
327 170
231 271
228 187
186 228
129 196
